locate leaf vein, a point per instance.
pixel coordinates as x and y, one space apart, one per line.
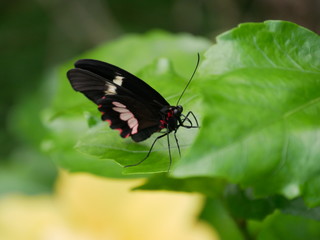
301 107
263 53
287 55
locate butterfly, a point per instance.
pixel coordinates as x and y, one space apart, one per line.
129 104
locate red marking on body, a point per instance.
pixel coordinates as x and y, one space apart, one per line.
100 105
169 114
163 124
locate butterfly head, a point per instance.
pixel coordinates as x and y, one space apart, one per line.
170 117
176 111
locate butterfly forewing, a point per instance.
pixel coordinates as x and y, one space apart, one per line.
94 86
122 78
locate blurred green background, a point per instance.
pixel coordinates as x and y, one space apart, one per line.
36 36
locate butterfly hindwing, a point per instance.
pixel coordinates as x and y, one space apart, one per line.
129 116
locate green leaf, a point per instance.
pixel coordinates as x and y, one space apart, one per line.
207 186
60 147
242 205
297 207
261 98
280 226
215 213
231 220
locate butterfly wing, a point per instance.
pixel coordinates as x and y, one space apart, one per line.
122 78
124 108
129 116
94 86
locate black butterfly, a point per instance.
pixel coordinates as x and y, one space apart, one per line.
128 103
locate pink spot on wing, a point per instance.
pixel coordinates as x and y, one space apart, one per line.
120 109
132 122
126 116
134 129
117 104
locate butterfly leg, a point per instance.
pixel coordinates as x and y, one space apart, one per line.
184 119
187 118
136 164
177 141
169 148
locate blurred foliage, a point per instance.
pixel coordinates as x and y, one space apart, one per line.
275 226
281 226
267 142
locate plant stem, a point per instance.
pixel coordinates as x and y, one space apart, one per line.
243 227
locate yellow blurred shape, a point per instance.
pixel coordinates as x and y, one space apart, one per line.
87 207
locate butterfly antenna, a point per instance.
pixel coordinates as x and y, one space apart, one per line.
194 71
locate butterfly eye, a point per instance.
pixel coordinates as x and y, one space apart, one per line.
177 110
